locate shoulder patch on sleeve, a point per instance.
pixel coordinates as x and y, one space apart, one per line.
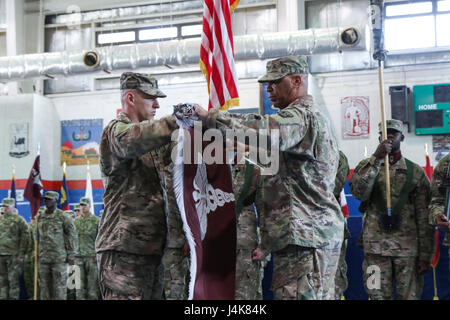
122 127
285 114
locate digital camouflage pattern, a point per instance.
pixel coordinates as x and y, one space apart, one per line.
175 267
133 220
298 207
141 82
57 244
57 237
87 228
248 273
409 286
297 203
415 237
279 68
438 193
127 276
14 237
340 280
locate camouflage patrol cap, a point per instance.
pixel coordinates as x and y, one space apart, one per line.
69 212
51 195
392 124
141 82
85 201
281 67
76 207
8 202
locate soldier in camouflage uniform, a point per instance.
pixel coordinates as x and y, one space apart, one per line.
301 222
248 284
175 260
340 280
403 251
77 210
14 236
437 214
133 228
87 228
57 245
70 214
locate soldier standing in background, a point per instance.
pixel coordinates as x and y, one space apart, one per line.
57 245
14 237
301 222
439 201
340 280
249 273
401 247
133 227
77 210
87 228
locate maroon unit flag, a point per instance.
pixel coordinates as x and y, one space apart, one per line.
33 188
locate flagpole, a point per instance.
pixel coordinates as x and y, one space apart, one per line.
36 244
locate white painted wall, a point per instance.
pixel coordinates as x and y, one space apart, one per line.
43 122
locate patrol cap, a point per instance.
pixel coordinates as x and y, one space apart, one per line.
69 212
281 67
392 124
85 201
8 202
76 207
51 195
141 82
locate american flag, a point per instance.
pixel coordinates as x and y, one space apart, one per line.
217 54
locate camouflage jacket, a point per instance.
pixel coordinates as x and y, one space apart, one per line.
341 178
133 220
87 228
161 160
14 235
415 235
298 203
56 236
247 222
438 193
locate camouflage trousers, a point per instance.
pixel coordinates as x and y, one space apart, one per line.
340 281
301 273
52 279
176 274
9 278
89 289
127 276
249 275
409 285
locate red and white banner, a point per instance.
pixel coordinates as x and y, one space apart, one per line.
355 117
217 54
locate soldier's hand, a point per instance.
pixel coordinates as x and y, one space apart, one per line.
202 113
442 223
94 260
423 267
257 255
383 149
19 260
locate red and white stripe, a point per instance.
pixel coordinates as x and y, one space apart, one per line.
217 54
343 203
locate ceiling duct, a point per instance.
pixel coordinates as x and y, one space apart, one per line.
180 52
